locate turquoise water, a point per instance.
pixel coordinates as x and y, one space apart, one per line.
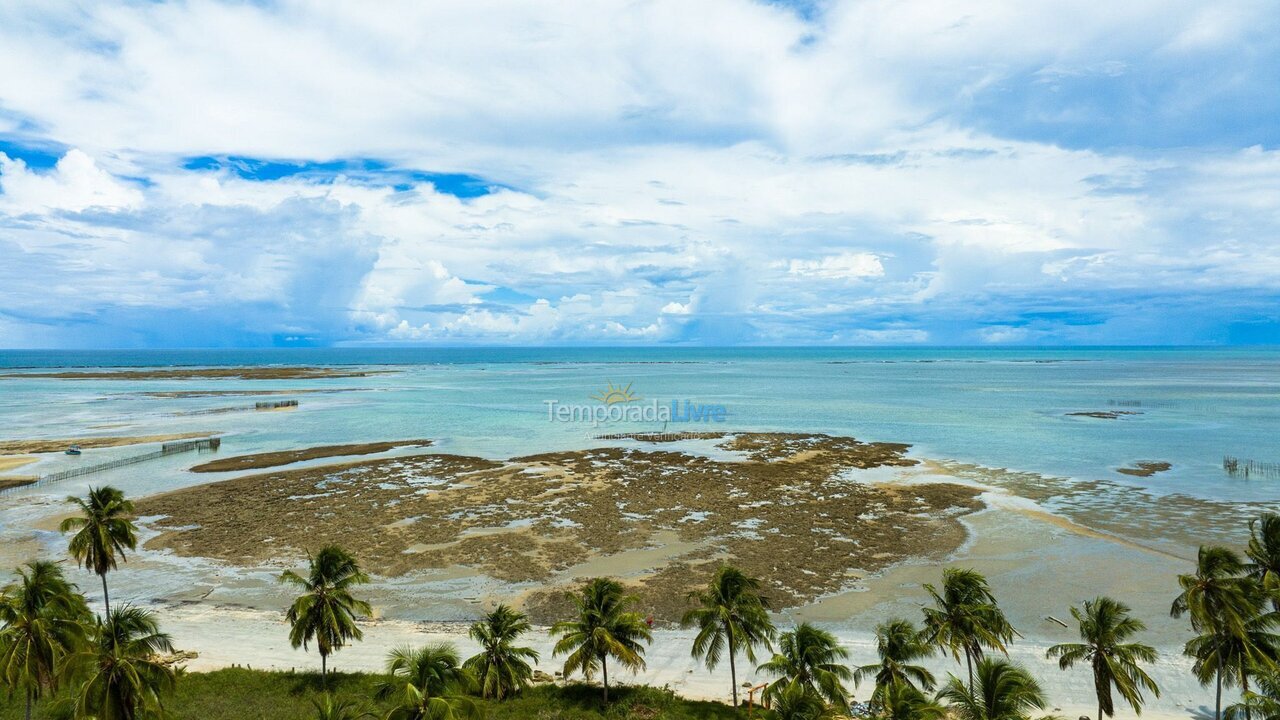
999 408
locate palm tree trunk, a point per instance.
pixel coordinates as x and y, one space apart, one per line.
106 598
30 702
324 670
1217 711
968 660
604 663
1099 709
733 668
1244 692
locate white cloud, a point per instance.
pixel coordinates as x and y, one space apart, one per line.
1003 334
845 266
720 171
76 183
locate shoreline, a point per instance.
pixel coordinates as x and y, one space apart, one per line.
259 639
1007 538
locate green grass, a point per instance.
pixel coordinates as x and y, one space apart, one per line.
240 694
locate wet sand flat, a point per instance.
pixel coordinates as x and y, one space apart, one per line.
177 394
787 511
12 463
16 481
274 459
22 447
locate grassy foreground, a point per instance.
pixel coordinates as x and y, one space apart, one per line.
240 694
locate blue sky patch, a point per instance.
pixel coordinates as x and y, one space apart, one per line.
38 154
371 171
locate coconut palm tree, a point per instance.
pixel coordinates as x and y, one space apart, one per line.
813 658
429 682
795 701
42 620
501 668
1105 626
1001 691
965 617
732 616
1216 595
1229 657
124 675
605 628
1226 609
326 610
1262 703
903 701
1264 555
103 530
898 643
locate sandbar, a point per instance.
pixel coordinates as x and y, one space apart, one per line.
275 459
12 463
23 447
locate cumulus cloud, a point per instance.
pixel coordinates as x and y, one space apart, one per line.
75 183
728 171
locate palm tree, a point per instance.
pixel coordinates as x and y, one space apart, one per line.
1262 703
731 617
501 668
794 701
326 610
1225 608
812 657
965 617
1264 555
1229 657
430 683
123 670
103 531
1003 691
1105 625
41 624
898 643
1216 594
604 629
903 701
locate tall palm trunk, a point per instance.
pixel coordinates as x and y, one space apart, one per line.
106 598
604 663
30 702
324 670
1217 708
968 660
1099 710
733 668
1244 691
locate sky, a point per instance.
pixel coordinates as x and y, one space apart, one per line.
640 172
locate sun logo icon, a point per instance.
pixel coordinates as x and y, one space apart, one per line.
614 394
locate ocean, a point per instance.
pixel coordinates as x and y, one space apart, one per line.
998 408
